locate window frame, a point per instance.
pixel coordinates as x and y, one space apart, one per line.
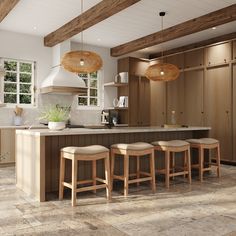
18 83
88 96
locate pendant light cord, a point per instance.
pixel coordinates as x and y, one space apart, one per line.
162 52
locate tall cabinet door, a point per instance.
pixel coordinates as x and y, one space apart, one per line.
217 107
144 101
193 102
234 110
175 99
133 100
157 103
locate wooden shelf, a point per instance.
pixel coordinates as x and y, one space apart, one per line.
116 108
114 84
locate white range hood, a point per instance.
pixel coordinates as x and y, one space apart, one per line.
60 80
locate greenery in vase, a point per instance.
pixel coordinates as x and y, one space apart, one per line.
55 113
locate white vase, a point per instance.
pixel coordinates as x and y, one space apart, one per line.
56 125
17 120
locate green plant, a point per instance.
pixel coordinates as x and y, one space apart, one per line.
55 113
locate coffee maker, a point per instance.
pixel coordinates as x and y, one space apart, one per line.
109 117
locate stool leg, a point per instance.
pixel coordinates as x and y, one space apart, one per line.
152 171
126 175
62 177
185 162
107 177
138 169
94 173
189 166
74 181
112 168
201 161
173 164
218 160
167 166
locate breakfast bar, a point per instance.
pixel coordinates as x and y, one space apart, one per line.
38 151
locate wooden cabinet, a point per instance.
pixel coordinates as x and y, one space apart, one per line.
218 54
193 102
7 146
175 99
234 113
194 58
234 50
217 106
177 60
157 103
138 91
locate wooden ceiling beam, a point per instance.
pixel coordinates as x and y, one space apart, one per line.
192 26
92 16
5 7
219 39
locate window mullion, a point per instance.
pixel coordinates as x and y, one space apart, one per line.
18 83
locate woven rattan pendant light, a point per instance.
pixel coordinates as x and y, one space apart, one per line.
162 71
81 61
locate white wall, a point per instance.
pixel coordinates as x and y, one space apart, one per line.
27 47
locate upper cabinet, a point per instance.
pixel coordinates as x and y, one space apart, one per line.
234 50
194 58
218 54
177 60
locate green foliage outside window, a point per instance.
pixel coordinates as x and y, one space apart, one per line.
91 97
18 82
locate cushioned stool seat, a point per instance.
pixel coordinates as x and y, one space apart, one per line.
172 147
135 150
89 153
208 144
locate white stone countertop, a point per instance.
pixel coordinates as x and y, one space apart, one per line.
81 131
39 126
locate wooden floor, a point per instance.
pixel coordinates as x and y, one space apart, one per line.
200 209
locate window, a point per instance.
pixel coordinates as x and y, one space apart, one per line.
91 98
18 85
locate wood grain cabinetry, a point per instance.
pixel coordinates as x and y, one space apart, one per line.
217 106
193 102
234 112
175 99
7 146
218 54
234 50
157 103
138 91
177 60
194 58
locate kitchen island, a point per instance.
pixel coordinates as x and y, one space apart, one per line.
38 151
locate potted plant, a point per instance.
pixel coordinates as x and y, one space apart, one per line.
56 116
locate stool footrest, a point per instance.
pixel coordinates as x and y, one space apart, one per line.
178 173
144 173
139 180
83 189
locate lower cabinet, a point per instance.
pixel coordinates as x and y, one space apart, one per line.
7 146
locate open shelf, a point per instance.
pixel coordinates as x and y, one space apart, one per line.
116 108
114 84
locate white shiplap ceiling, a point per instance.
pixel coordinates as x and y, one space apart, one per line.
40 17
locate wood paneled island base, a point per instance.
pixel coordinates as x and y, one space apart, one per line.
38 152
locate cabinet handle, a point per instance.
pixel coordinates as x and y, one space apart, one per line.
227 112
202 112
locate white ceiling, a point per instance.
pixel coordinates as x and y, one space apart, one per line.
40 17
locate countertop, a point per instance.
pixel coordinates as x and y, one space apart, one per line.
81 131
39 126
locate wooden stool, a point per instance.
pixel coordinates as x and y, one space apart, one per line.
173 147
89 153
137 150
201 144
